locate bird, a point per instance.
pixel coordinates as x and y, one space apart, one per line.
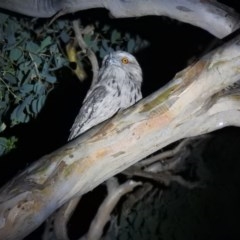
118 87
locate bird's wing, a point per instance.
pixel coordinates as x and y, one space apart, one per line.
93 110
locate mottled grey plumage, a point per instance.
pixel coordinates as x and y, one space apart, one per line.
118 87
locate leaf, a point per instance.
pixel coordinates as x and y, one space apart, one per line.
3 142
20 75
27 75
3 106
59 61
94 46
61 24
39 88
45 43
32 47
2 127
25 66
64 36
87 39
15 54
45 68
18 115
28 110
26 119
105 28
105 44
35 106
53 49
14 117
102 52
130 45
51 79
38 60
33 74
26 88
10 33
115 36
10 78
41 102
11 143
21 59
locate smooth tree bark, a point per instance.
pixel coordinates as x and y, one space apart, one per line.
214 17
193 103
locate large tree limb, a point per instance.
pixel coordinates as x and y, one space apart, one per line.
189 105
214 17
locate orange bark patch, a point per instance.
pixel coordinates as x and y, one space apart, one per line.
91 159
152 124
192 72
101 153
195 70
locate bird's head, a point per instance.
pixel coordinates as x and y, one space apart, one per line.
125 61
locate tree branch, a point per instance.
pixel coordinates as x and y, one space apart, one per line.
214 17
90 54
62 217
115 193
164 155
188 106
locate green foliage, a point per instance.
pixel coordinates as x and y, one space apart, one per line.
27 66
30 54
7 145
105 39
28 62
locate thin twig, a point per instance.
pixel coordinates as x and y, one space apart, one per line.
170 153
165 177
169 166
166 154
137 172
90 54
35 66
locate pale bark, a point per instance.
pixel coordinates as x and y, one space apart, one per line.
115 193
187 106
214 17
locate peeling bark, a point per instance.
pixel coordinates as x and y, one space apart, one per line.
214 17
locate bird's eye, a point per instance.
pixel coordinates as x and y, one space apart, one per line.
125 60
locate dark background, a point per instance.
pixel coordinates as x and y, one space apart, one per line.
172 45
